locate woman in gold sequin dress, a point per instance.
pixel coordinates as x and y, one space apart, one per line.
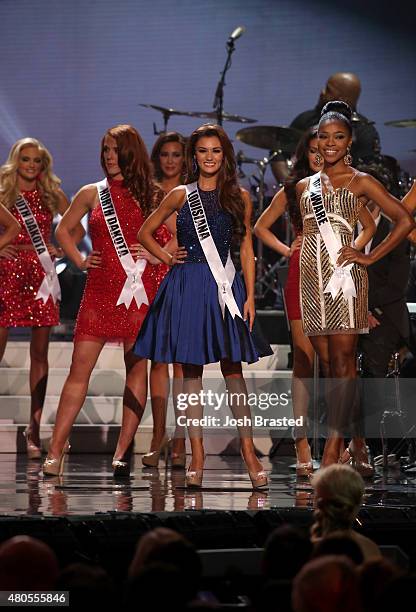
28 171
333 323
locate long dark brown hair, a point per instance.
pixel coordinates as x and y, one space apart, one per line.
299 170
229 192
135 166
157 147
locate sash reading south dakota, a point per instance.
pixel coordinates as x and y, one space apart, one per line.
133 286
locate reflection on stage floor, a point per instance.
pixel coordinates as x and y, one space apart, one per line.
88 487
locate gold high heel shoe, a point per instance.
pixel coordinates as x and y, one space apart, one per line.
193 478
351 457
32 451
303 468
151 459
258 479
121 469
55 467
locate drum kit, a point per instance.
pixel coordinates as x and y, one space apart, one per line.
279 141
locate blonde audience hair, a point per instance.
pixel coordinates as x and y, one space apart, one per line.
339 491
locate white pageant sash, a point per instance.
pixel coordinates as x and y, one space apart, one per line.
133 286
341 277
224 276
50 284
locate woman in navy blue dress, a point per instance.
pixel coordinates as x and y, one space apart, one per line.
190 320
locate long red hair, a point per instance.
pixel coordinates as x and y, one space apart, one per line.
135 166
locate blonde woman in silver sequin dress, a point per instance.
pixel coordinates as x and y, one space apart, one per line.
333 324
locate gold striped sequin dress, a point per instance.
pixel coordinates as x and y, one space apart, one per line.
321 314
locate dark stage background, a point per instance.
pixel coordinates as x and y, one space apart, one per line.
71 69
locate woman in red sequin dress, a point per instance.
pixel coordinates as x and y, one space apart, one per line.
303 353
126 164
28 171
168 158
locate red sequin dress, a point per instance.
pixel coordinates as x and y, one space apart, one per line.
292 287
21 278
159 272
98 316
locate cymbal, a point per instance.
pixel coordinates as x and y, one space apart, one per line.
270 137
164 110
403 123
225 116
203 115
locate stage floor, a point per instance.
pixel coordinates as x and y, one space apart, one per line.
88 487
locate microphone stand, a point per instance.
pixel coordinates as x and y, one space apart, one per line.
218 104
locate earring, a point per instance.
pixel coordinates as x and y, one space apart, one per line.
194 166
318 159
348 158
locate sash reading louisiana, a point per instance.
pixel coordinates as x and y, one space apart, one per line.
197 212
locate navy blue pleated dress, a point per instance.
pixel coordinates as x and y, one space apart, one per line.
184 323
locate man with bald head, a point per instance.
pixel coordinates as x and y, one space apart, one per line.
345 86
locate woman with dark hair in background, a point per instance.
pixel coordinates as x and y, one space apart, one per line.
197 316
333 280
305 164
29 287
119 287
168 159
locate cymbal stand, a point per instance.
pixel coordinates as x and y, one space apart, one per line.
166 116
218 104
263 277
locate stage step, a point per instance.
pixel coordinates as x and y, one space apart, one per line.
102 410
111 357
102 438
15 381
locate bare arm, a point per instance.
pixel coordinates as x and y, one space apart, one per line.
169 205
247 261
172 245
266 220
368 231
65 233
409 202
371 189
11 225
79 232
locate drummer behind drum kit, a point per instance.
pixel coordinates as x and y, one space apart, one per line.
280 141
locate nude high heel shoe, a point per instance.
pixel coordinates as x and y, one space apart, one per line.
55 466
32 451
360 464
193 478
303 468
151 459
258 479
